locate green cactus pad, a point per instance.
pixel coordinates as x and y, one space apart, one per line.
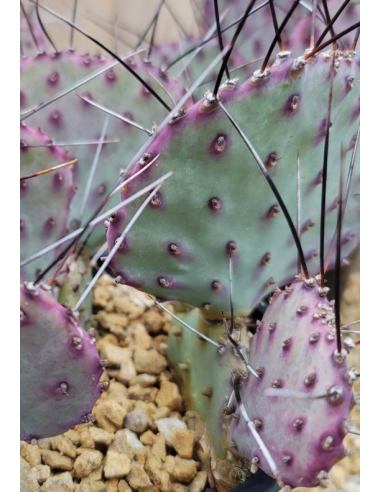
44 200
178 249
70 119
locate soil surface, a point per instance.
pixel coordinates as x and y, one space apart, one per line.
142 438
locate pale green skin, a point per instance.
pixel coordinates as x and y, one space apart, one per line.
235 177
83 122
206 369
41 200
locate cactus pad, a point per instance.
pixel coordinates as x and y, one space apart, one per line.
179 248
294 352
60 367
44 200
71 119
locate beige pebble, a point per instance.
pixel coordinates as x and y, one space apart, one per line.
27 484
64 446
98 486
44 443
82 487
159 340
138 420
55 460
87 462
126 442
141 456
110 415
86 439
95 475
101 436
181 470
183 442
112 485
127 371
40 473
169 396
149 361
115 354
148 438
169 427
123 486
59 483
112 320
153 321
156 472
199 482
107 339
116 465
138 478
144 380
158 449
101 296
140 338
116 390
178 487
145 394
73 435
31 453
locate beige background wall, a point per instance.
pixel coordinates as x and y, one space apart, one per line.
118 23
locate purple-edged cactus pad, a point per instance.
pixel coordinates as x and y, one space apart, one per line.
218 197
71 119
44 200
295 350
60 368
294 354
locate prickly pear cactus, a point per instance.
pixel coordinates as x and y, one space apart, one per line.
60 367
73 120
44 200
218 199
294 354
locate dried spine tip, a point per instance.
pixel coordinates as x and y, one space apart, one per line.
231 247
340 357
266 259
294 103
274 211
336 395
272 327
220 145
163 282
286 343
215 203
314 337
216 286
327 443
207 392
155 201
144 159
104 386
174 249
63 388
310 380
